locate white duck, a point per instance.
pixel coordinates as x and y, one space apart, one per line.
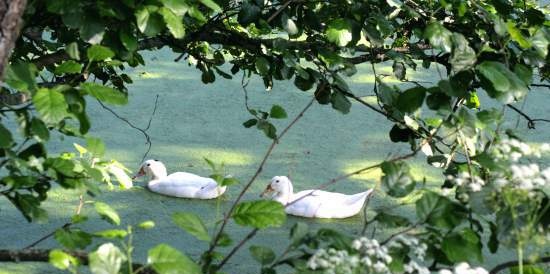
315 203
179 184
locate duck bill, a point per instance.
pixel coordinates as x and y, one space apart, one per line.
140 173
267 190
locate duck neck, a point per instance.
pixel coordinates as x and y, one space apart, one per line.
157 175
285 195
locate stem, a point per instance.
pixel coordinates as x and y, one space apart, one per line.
520 258
252 179
129 249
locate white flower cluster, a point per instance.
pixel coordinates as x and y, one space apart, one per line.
464 268
525 177
514 150
473 184
333 261
371 257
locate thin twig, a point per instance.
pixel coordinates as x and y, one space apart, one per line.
530 121
143 131
252 179
279 11
47 236
399 233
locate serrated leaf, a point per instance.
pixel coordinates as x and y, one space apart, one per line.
173 22
128 40
397 179
99 53
500 83
50 104
73 239
105 94
262 66
462 246
107 213
148 21
164 259
339 32
259 214
411 99
192 224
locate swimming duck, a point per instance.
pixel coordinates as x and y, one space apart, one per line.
178 184
315 203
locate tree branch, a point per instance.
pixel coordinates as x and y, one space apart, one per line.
43 255
11 12
530 121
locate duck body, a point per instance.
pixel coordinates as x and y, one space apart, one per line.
179 184
316 203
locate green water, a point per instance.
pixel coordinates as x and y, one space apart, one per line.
194 121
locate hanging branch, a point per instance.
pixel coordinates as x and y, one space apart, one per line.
142 130
510 264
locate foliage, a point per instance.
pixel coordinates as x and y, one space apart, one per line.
74 51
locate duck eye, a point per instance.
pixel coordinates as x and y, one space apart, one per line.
276 181
148 164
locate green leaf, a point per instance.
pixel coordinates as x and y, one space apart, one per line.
524 73
500 83
148 21
39 129
95 146
269 129
516 35
261 254
228 181
128 40
50 104
463 57
72 50
107 213
339 32
192 224
391 221
462 246
439 211
173 22
6 140
411 99
68 66
146 225
259 214
164 259
473 101
262 66
73 239
107 259
397 179
277 112
439 36
62 260
298 232
179 7
211 4
99 53
105 94
250 123
112 233
340 102
21 76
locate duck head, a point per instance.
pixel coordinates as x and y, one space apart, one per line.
153 168
281 187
